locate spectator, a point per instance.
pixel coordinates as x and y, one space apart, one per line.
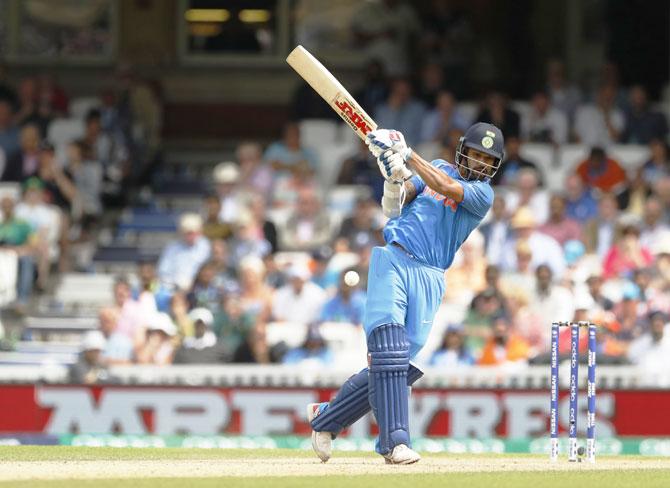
289 156
522 278
249 238
627 254
361 228
309 226
118 346
18 236
580 203
255 174
450 145
650 352
131 313
544 249
361 169
444 117
654 224
213 228
300 300
323 274
314 352
33 109
549 300
453 352
9 136
151 294
496 231
372 27
220 259
544 123
479 319
658 165
528 193
232 323
496 111
87 178
23 164
46 221
600 124
510 170
402 111
256 296
375 88
226 178
158 348
595 284
205 292
255 348
599 231
181 259
504 346
265 229
431 83
203 337
348 304
642 124
99 146
559 225
601 173
53 95
564 96
466 275
630 314
90 367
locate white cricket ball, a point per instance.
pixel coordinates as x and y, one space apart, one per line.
351 278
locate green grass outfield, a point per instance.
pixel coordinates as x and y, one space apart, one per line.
27 456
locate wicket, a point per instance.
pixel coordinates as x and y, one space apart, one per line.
574 391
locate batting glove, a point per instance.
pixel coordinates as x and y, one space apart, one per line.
392 167
381 140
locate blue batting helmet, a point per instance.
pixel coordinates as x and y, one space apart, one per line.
483 137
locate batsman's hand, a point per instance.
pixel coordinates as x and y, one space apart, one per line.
393 167
381 140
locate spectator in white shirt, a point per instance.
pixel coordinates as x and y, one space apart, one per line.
203 336
564 96
602 123
226 177
651 351
299 300
550 300
653 225
544 123
528 193
496 231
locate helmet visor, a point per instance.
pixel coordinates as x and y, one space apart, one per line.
472 168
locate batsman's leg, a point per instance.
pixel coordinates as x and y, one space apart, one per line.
349 405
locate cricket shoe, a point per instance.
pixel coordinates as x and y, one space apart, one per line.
322 442
401 454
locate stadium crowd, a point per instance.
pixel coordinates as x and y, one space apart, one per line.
266 248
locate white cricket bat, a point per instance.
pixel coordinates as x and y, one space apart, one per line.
331 90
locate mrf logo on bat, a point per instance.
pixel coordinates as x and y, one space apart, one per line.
355 119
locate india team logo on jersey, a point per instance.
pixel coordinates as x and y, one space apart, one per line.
447 202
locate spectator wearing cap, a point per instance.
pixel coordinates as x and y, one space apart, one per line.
18 237
300 300
46 220
313 352
24 162
309 225
527 193
158 348
226 178
255 174
651 350
180 260
90 368
627 254
580 203
496 230
599 231
348 304
504 346
212 227
289 156
203 337
601 172
559 226
361 228
452 353
9 136
118 346
544 249
544 123
642 124
514 163
601 123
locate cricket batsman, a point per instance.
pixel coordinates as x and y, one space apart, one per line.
431 215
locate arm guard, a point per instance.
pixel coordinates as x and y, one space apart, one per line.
393 199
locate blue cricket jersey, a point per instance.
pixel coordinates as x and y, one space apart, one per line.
432 227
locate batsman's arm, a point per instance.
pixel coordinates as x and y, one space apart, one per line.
435 179
410 191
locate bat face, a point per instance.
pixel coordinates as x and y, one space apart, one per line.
358 120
